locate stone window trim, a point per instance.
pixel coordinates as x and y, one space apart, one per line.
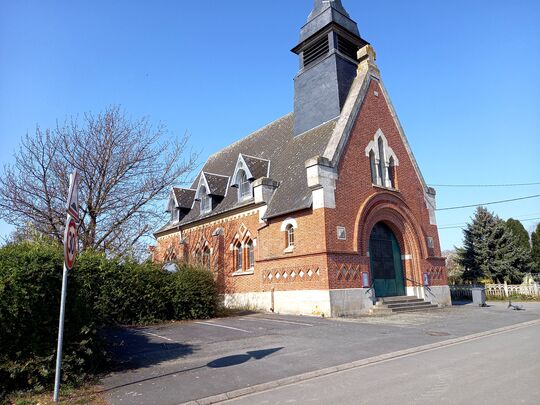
238 257
207 258
341 233
289 227
240 166
242 169
203 196
243 255
383 161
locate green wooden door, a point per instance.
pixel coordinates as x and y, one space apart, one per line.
385 258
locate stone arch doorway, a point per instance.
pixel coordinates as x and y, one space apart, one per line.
385 262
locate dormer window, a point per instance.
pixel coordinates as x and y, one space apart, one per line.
245 191
206 201
248 168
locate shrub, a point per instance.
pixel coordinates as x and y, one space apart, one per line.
120 292
101 291
192 293
30 283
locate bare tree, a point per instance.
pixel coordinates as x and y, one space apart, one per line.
125 167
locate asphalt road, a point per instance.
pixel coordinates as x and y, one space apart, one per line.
498 369
176 363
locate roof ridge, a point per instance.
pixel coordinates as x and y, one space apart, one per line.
254 157
215 174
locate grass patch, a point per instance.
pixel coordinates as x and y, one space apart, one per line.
87 394
524 298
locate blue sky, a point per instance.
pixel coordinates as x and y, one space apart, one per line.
463 76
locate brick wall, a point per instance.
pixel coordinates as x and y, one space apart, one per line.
319 260
360 205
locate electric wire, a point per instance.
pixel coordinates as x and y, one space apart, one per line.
464 225
488 203
485 185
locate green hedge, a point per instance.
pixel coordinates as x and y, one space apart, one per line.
100 292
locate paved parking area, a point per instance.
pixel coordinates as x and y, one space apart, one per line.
175 363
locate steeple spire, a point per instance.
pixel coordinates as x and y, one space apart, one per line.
328 47
321 5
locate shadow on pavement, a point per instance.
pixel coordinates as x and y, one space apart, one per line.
222 362
461 302
242 358
130 349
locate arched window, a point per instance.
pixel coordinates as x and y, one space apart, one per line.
206 258
373 166
244 187
250 255
206 201
238 262
198 257
170 255
290 236
382 163
392 173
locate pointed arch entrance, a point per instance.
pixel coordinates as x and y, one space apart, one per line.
385 262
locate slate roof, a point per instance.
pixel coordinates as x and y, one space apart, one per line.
216 183
286 156
257 166
184 197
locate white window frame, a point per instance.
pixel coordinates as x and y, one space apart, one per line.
250 248
238 258
206 201
245 191
290 236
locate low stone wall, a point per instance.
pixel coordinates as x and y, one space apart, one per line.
346 302
350 302
439 295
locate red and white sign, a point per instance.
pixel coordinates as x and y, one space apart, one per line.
73 196
70 243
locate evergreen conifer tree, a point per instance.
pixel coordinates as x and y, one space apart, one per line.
535 250
519 231
490 251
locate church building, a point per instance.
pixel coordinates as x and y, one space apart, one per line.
323 211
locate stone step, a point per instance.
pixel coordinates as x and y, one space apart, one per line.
400 302
399 299
388 311
419 303
390 305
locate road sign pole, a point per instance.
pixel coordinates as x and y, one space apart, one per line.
60 335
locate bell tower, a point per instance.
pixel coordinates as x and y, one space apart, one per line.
328 47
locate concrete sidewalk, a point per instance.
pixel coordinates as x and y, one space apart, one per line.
500 368
189 361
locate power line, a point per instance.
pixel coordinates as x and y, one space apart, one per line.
488 203
463 225
484 185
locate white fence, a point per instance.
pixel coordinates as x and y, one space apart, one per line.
464 292
506 290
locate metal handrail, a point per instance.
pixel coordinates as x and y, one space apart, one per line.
371 287
419 284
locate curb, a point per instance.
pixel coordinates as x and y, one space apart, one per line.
355 364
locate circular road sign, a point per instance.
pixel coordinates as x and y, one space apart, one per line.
70 243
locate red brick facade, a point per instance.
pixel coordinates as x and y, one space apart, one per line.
319 260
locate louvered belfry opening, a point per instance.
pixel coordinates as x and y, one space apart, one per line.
316 51
328 47
347 48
